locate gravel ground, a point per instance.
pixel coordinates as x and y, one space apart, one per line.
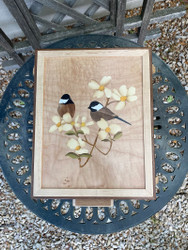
21 229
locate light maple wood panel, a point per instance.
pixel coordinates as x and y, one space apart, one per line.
119 168
124 167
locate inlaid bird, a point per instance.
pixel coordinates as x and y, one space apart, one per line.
98 111
66 105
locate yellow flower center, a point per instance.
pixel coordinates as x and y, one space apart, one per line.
72 123
77 148
83 124
101 88
58 124
123 98
107 130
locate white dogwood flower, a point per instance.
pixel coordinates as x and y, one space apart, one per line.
84 125
69 122
124 95
107 129
58 124
77 146
101 88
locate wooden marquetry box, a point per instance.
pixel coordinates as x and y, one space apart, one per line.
93 129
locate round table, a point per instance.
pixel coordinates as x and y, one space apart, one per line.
171 158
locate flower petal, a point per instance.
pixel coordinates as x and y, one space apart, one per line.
108 92
123 90
120 106
85 130
56 119
66 127
77 125
72 143
67 118
82 151
102 124
103 134
60 128
116 92
52 128
93 84
105 80
89 123
116 97
84 119
76 119
82 143
114 128
132 98
131 91
98 94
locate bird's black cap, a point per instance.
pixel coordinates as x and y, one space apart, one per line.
93 104
67 97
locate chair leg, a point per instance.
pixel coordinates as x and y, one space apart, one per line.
146 15
24 19
120 17
7 45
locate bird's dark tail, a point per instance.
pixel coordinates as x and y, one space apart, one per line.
117 117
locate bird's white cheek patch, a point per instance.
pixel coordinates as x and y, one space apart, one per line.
63 101
98 107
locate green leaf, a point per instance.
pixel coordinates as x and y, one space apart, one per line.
117 135
105 140
71 132
85 155
72 155
80 132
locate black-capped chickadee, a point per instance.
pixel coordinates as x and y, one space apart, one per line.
66 105
98 111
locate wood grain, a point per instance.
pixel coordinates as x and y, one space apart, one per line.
8 46
146 15
93 202
63 8
120 18
127 170
24 25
